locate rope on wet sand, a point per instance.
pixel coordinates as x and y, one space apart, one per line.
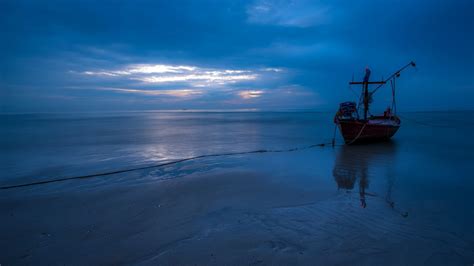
390 203
163 164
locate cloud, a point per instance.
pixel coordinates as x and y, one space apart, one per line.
218 78
148 69
174 93
288 13
142 69
272 69
183 83
250 94
286 96
192 75
165 79
326 49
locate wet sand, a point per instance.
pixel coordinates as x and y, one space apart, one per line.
302 207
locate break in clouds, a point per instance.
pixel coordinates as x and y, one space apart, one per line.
183 80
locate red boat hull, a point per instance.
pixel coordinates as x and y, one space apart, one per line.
357 131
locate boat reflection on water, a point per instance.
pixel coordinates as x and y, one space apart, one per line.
355 164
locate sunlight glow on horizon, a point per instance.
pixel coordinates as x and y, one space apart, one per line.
222 79
166 77
250 94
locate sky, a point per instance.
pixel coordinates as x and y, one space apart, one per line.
68 56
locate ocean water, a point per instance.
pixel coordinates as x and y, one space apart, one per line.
44 146
406 201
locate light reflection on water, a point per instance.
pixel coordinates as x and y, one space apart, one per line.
52 145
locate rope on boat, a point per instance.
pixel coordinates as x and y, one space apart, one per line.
163 164
358 135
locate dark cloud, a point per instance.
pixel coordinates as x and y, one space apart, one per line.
47 46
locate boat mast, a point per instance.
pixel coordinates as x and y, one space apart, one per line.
366 99
365 85
366 92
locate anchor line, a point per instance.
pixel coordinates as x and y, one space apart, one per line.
358 135
164 164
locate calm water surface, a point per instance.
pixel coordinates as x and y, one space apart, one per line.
437 146
51 145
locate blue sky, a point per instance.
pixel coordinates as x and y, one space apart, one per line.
271 55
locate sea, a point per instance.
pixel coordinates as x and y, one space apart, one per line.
46 146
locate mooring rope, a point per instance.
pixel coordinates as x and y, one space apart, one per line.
163 164
390 203
358 135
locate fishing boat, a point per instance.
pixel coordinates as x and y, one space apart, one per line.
369 128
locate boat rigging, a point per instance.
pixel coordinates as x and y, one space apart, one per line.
369 128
